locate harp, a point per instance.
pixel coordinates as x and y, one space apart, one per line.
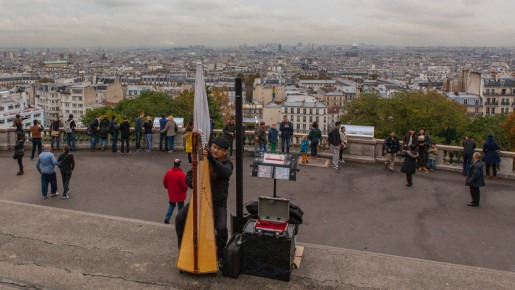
197 254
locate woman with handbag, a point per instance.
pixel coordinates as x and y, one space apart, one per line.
54 132
19 151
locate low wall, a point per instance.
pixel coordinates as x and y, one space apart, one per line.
361 150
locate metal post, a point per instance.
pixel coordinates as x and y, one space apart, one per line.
240 135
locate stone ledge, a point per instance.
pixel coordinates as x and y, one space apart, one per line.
45 247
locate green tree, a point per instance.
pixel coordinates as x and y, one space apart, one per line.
508 128
480 127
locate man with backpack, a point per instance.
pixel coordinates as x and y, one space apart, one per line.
93 132
113 129
335 140
69 130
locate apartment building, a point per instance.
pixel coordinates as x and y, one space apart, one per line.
13 104
303 114
498 95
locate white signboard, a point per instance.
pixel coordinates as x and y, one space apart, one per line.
278 159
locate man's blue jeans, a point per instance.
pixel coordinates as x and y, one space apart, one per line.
285 141
138 140
148 140
103 142
171 142
262 147
93 141
48 178
172 207
115 140
70 139
35 142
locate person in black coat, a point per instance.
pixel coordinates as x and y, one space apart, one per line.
19 151
468 152
475 178
286 128
67 166
54 132
93 131
114 129
125 133
103 132
410 162
391 147
491 156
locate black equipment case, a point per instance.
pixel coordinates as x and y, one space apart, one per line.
233 257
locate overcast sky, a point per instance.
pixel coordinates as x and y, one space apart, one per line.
74 23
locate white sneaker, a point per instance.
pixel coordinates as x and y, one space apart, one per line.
336 166
55 194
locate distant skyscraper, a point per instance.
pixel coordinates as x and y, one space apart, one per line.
280 47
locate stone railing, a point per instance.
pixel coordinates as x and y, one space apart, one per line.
361 150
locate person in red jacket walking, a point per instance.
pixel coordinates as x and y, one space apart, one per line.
175 182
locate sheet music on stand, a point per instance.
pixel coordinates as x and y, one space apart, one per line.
278 166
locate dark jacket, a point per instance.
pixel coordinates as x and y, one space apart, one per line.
490 148
148 127
410 160
67 161
392 143
103 132
138 125
114 128
162 123
229 128
221 172
272 135
286 132
94 127
261 134
427 141
314 134
468 147
54 126
334 137
125 128
475 175
407 137
18 147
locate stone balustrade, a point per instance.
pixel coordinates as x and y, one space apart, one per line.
361 150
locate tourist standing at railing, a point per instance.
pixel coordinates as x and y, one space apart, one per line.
475 179
431 156
125 132
54 133
18 123
138 129
410 162
162 136
171 130
261 135
148 132
410 138
491 156
69 130
304 147
229 131
343 143
423 146
114 129
188 136
35 132
103 132
19 151
314 137
272 137
334 139
286 128
67 166
468 151
93 131
45 166
391 147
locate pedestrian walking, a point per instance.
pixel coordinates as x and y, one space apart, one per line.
343 143
468 151
391 147
148 132
304 147
229 133
410 162
125 133
45 166
93 133
188 137
335 140
491 158
423 146
272 137
286 128
314 137
67 166
69 130
175 181
103 132
171 130
19 151
162 136
261 136
55 133
35 132
138 129
475 179
114 130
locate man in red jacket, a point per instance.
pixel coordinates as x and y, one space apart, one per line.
175 182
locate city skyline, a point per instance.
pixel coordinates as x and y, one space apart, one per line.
130 23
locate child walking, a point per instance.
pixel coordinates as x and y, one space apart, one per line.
304 147
432 156
410 162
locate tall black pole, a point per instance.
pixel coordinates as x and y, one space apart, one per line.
240 135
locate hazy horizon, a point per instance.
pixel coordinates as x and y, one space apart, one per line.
228 23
